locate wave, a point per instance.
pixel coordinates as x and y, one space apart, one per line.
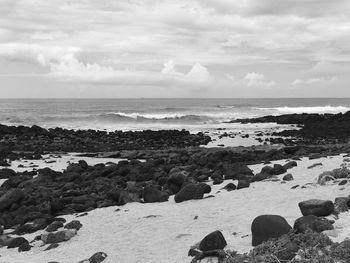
209 116
153 116
311 109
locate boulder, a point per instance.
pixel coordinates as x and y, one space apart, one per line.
260 177
217 181
243 184
11 197
278 169
316 207
75 224
24 247
290 165
31 227
212 241
265 227
237 171
288 177
54 226
153 195
17 242
268 170
6 173
192 191
57 237
176 180
95 258
313 223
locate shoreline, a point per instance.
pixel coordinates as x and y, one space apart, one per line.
131 182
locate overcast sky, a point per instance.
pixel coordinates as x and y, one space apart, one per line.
194 48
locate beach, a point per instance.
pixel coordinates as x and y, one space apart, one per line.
163 232
127 189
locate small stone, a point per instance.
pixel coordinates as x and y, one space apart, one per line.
95 258
51 246
288 177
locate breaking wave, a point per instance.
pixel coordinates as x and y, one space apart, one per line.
316 109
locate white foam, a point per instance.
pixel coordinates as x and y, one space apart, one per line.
317 109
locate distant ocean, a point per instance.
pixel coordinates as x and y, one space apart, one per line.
139 114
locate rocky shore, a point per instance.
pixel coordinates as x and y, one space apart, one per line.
159 166
314 128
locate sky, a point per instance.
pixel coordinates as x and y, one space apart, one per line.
193 48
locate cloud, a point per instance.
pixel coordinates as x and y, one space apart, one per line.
325 80
297 82
198 73
169 68
127 42
258 80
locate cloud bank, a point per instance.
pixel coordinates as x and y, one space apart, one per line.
221 48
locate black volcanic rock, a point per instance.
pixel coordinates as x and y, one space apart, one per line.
212 241
316 207
265 227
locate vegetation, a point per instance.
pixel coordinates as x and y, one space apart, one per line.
308 247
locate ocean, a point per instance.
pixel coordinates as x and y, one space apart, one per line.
139 114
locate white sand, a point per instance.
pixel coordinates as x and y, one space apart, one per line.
57 162
129 235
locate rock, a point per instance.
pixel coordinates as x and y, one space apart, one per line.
153 195
288 177
4 163
54 226
95 258
278 169
176 180
311 222
217 181
340 204
314 165
31 227
316 207
324 178
24 247
242 184
237 171
260 177
6 173
315 156
290 164
267 170
17 242
75 224
192 191
10 197
51 246
212 241
343 182
57 237
265 227
230 187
